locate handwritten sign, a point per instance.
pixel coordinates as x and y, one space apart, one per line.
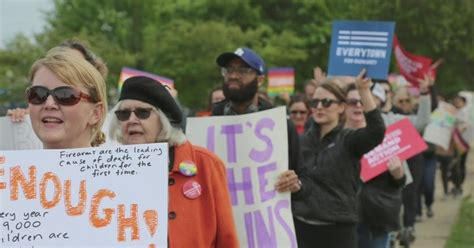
401 139
440 129
254 148
109 197
361 44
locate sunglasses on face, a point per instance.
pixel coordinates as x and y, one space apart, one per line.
353 102
63 95
404 100
140 113
326 102
301 112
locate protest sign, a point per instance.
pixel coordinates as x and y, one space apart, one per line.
412 67
129 72
401 139
88 197
361 44
281 80
254 148
17 136
440 129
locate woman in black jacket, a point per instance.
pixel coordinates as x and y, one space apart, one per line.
380 198
331 154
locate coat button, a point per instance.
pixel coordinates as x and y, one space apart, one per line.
171 181
172 215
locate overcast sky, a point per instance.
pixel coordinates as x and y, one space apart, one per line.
25 16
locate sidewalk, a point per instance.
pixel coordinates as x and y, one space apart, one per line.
434 232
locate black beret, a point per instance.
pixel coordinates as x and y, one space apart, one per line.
152 92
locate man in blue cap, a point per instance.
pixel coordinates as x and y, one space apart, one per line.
244 71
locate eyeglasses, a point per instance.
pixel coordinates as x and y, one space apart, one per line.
140 113
63 95
353 102
242 71
326 102
407 100
301 112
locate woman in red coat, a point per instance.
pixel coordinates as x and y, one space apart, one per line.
200 211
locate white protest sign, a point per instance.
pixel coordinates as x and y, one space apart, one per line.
17 136
440 128
254 148
90 197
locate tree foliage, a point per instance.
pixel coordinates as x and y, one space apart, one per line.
180 39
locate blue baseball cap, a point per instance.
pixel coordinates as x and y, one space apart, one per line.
250 57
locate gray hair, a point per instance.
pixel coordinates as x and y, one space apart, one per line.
172 135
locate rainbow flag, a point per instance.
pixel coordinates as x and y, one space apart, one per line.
281 80
129 72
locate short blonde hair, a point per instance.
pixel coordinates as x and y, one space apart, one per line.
174 136
74 70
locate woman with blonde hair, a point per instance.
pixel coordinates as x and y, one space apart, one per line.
67 100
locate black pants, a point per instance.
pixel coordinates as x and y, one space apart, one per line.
427 183
459 171
325 236
444 165
410 193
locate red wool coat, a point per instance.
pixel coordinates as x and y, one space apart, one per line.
206 221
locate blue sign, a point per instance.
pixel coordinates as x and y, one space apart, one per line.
361 44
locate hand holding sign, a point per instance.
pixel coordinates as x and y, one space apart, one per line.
362 82
287 181
319 75
363 86
18 114
395 167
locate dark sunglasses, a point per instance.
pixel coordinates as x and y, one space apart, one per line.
326 102
404 100
140 113
353 102
295 112
63 95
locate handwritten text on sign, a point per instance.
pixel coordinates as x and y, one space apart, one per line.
254 148
84 197
401 139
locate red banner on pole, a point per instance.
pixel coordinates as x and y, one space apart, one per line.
401 139
413 67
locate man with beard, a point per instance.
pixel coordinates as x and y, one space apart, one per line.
243 72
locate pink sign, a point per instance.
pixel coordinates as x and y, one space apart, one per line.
401 139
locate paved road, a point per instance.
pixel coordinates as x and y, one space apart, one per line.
434 232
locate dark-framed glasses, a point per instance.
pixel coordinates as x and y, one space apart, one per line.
63 95
353 102
326 102
406 100
242 71
140 113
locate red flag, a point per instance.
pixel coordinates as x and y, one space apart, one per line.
411 66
